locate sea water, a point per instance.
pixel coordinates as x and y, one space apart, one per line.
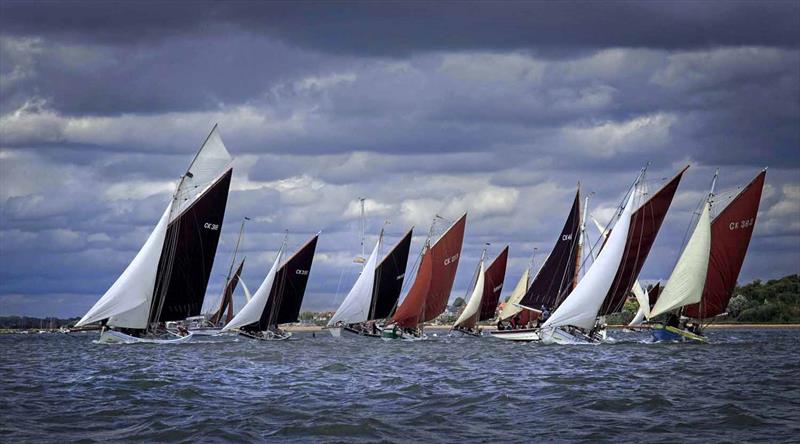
743 386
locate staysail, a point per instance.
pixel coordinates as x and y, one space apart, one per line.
469 317
731 231
493 285
644 227
685 284
356 305
555 277
128 299
251 312
430 291
580 308
389 276
512 307
227 298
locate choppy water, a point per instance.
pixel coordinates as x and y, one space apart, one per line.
743 387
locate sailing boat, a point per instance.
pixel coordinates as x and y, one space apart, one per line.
428 295
574 321
554 279
704 277
277 300
482 303
374 294
167 279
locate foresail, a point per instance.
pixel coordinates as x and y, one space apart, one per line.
469 316
685 284
580 308
511 308
252 311
356 305
127 301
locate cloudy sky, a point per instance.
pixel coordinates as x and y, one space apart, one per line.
498 109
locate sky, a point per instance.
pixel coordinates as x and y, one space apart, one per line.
495 108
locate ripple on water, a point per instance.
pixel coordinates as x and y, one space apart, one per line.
445 389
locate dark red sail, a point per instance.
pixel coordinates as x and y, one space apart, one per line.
227 298
430 291
493 285
645 223
190 246
389 276
556 274
731 231
652 295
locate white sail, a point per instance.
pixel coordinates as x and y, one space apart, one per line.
252 311
511 309
580 308
356 305
246 290
127 302
212 160
474 303
685 285
643 298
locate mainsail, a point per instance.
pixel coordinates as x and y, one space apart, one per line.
227 298
644 227
289 288
580 308
731 231
167 279
389 276
469 316
493 285
555 277
430 291
685 284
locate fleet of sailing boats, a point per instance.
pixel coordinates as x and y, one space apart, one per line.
159 296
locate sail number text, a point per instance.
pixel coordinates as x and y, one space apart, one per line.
450 260
742 224
210 226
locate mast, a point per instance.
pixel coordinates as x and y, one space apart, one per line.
579 249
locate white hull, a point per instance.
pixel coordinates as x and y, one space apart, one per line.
267 336
561 336
205 331
524 335
115 337
344 332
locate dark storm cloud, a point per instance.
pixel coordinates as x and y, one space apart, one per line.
399 28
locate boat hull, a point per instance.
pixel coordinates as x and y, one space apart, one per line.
348 332
522 335
663 333
116 337
562 336
465 333
266 335
210 331
391 335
